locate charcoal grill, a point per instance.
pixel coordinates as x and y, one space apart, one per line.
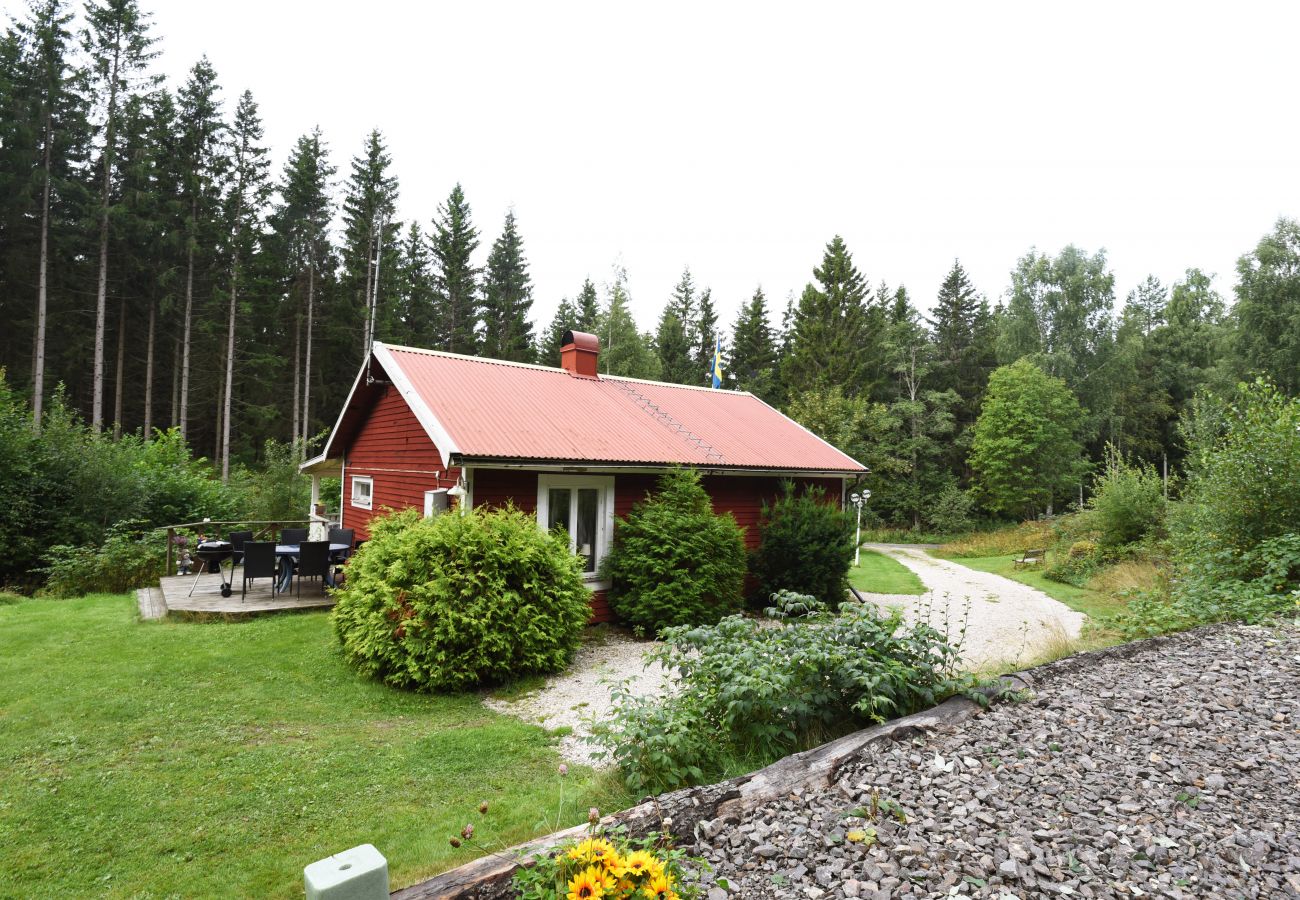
215 553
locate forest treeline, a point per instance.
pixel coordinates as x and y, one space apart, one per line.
154 266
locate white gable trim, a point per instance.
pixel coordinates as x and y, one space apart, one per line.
432 427
329 443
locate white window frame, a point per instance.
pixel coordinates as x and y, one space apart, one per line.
604 514
369 501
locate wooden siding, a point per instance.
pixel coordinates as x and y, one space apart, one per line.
393 449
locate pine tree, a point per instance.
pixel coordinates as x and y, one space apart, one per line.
58 113
963 334
624 350
202 167
830 342
455 277
168 241
706 335
370 235
507 298
588 308
419 325
118 42
300 226
1145 305
754 351
675 339
245 206
548 341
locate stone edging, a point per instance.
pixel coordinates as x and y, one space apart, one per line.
709 806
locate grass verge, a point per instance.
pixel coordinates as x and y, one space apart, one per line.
1094 604
163 758
879 574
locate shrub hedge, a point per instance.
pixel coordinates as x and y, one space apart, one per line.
456 601
805 546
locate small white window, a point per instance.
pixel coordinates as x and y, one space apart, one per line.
363 491
583 506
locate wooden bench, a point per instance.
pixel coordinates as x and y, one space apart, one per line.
1030 558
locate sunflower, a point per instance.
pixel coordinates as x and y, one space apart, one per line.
589 884
660 888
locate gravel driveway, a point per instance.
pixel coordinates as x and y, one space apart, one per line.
581 692
1169 768
1009 624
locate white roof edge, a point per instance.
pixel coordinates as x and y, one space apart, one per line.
432 427
811 433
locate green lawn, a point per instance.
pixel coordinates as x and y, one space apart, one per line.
1093 604
879 574
179 759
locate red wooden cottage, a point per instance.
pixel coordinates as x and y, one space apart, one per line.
426 429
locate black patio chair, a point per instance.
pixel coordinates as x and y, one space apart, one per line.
237 541
293 535
313 562
259 562
343 536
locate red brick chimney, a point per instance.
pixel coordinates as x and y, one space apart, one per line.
578 352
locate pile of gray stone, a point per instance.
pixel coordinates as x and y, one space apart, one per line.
1171 771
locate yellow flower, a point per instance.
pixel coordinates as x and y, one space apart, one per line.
660 888
592 849
640 862
589 884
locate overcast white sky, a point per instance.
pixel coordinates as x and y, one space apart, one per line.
738 138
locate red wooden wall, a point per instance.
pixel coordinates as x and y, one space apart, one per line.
394 450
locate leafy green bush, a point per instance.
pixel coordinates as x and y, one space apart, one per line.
789 605
1077 564
455 601
673 561
753 690
129 558
805 546
1128 503
275 491
951 511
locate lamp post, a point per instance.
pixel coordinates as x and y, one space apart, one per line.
859 500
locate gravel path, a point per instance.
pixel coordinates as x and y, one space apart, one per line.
581 692
1167 769
1009 624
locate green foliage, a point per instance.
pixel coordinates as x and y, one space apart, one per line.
951 511
1128 502
276 491
749 690
1268 307
624 350
805 545
507 298
630 869
792 605
129 558
455 601
1235 537
1026 453
1077 564
673 561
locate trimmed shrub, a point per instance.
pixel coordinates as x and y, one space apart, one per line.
951 511
456 601
806 546
674 562
1076 565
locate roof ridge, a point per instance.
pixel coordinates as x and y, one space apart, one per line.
488 360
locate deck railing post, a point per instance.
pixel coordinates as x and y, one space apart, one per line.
167 566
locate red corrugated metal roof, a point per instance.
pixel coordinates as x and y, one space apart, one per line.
489 409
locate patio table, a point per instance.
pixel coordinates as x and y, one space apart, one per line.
289 552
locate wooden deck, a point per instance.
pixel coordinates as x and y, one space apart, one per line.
207 599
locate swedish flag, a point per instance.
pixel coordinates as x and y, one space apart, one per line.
717 364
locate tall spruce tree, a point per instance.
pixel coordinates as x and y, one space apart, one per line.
455 277
118 42
548 341
754 351
45 82
202 167
419 324
706 335
300 229
675 338
963 335
369 239
507 298
588 308
830 342
624 350
245 206
1268 307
